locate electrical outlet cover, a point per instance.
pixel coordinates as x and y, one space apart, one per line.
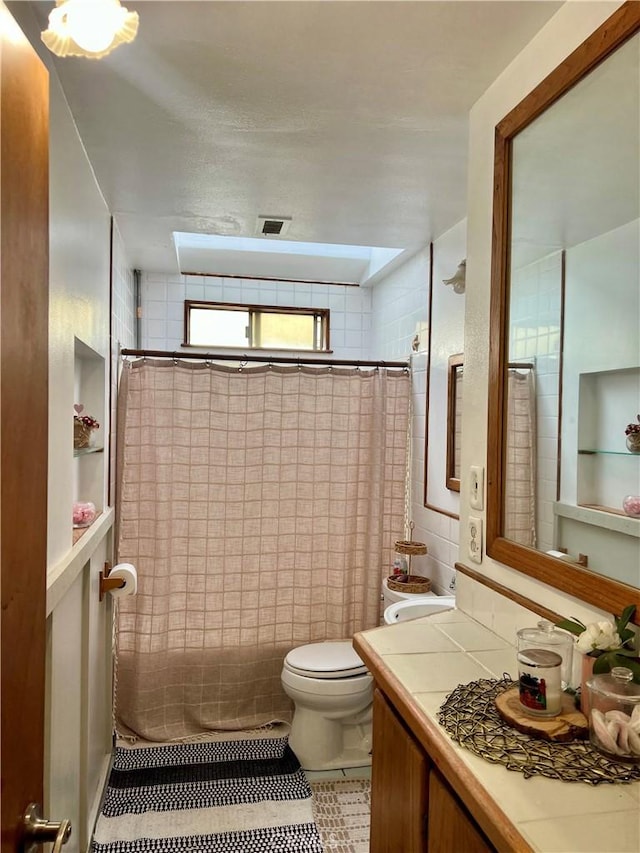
474 539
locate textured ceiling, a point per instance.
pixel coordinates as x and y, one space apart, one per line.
349 117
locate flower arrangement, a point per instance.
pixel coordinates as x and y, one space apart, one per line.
82 427
87 421
611 643
632 432
633 429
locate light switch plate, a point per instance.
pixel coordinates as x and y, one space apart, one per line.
476 487
474 539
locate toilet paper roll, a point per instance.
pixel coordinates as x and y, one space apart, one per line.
130 577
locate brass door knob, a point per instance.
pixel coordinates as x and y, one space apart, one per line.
36 831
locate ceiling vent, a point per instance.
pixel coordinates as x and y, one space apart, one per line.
273 226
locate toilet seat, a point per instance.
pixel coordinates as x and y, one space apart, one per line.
325 660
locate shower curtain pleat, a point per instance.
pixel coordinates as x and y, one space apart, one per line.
260 506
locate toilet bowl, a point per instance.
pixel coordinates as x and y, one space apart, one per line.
333 695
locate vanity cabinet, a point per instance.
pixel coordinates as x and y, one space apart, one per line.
399 780
413 808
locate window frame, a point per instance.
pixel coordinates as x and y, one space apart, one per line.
321 324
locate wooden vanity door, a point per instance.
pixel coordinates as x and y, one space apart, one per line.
399 777
451 829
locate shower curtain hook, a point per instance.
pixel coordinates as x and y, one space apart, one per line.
243 363
175 357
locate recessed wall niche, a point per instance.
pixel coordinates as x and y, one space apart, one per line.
89 463
607 471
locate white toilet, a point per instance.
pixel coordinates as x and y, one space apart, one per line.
333 697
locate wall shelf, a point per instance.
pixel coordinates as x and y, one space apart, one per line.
600 516
78 532
84 451
609 453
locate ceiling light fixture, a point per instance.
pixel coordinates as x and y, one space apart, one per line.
91 28
458 282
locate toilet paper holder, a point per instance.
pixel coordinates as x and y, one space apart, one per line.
107 583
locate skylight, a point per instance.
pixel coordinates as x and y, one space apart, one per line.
287 260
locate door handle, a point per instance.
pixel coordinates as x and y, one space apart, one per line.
36 831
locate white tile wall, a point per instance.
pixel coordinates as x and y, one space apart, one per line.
163 299
124 312
400 311
535 313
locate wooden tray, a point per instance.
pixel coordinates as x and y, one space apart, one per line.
569 725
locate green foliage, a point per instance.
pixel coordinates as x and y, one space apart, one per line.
605 660
573 627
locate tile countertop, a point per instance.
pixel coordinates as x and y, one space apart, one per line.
417 664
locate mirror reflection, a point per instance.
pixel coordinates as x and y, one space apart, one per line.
454 421
573 337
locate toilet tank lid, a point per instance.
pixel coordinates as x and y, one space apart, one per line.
327 657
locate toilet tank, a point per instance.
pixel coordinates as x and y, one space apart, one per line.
390 596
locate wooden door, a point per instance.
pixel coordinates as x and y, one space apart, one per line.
24 271
451 828
398 784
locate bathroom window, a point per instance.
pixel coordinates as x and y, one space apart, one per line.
219 324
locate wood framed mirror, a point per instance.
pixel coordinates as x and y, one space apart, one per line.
454 420
566 213
445 336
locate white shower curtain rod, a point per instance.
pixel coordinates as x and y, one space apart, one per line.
216 356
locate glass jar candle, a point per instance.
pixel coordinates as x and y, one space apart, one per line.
539 682
547 636
614 717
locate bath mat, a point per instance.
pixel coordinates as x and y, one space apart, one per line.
342 812
219 797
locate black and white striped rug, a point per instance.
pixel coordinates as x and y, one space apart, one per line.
238 796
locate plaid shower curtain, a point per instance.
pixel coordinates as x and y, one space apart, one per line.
260 506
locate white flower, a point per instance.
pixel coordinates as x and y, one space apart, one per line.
599 636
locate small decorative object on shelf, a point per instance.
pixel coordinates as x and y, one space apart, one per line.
83 427
631 506
84 513
633 437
